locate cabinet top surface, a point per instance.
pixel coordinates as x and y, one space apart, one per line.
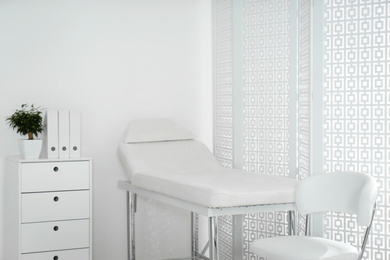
40 160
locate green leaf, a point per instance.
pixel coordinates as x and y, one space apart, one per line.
26 120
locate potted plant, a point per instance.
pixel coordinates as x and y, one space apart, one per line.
28 121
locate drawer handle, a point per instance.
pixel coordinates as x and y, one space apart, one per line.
55 228
55 257
55 169
56 198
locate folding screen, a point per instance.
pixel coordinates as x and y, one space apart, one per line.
265 104
223 106
266 100
356 106
256 120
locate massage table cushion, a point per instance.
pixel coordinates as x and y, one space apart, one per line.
161 156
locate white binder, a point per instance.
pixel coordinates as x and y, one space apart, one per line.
74 134
50 135
63 133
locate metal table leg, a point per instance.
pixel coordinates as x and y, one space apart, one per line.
213 236
131 209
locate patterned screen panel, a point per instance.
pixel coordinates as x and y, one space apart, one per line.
304 89
266 86
266 64
265 104
223 139
304 100
357 110
224 82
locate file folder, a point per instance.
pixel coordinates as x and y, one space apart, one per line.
74 134
50 135
63 133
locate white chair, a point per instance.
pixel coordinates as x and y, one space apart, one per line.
353 193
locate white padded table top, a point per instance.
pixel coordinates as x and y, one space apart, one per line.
187 170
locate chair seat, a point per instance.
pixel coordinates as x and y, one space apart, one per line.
302 248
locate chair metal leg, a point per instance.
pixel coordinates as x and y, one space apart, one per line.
365 239
131 209
213 238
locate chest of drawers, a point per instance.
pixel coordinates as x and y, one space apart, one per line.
48 209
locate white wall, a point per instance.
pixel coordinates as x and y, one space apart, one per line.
114 61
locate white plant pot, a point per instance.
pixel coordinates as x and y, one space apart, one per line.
30 149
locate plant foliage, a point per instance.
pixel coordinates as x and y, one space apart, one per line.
27 120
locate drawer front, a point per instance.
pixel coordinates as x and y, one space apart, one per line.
54 176
60 235
78 254
54 206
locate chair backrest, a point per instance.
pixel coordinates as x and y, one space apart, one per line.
353 193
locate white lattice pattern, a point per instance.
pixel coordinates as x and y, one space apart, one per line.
266 86
265 104
304 89
260 226
225 235
223 147
357 114
224 82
